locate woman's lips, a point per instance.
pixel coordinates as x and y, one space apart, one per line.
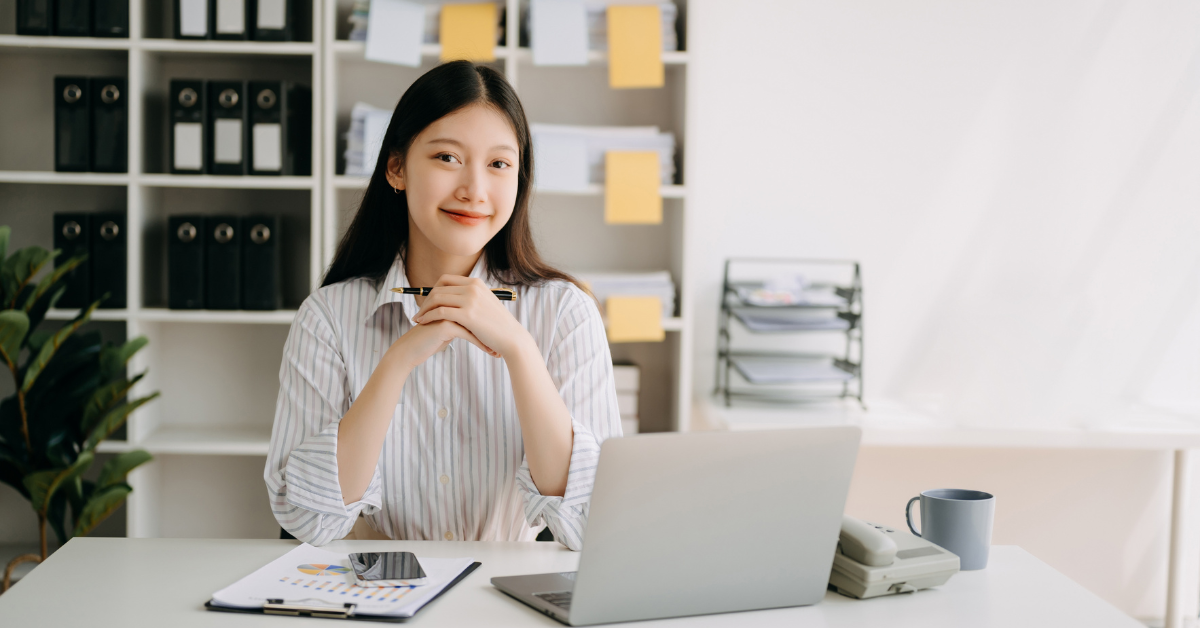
465 217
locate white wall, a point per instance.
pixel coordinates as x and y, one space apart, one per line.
1020 181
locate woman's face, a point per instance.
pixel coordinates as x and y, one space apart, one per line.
460 176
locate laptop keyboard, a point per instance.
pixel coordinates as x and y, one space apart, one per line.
561 599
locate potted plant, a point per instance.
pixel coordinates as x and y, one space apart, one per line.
70 395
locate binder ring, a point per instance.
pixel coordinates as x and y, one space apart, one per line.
186 232
109 230
223 233
110 94
260 234
71 230
188 97
228 98
266 99
72 93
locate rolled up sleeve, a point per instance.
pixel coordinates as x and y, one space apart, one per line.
301 471
580 364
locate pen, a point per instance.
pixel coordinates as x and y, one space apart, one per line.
504 294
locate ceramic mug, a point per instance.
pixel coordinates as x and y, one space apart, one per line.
957 520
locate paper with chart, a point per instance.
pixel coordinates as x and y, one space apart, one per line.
315 577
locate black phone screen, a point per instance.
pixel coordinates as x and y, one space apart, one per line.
386 566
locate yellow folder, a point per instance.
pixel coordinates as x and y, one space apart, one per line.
634 319
631 188
634 46
468 31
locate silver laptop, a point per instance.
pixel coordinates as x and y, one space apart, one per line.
703 522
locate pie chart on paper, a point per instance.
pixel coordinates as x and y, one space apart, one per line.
323 570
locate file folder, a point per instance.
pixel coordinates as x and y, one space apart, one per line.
185 262
73 18
110 125
222 263
261 289
35 17
280 129
187 127
227 127
273 20
192 19
107 259
71 234
72 124
230 19
110 18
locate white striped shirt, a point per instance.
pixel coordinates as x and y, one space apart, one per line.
453 463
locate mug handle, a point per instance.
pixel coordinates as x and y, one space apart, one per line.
908 515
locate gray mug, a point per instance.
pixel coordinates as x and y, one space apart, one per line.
957 520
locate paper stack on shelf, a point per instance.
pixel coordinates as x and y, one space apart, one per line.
360 16
363 141
597 23
655 284
570 157
789 370
626 377
789 319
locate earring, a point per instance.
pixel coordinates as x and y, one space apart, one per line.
396 190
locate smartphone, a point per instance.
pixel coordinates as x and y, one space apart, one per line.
387 569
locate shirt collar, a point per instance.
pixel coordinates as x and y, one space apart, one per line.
397 278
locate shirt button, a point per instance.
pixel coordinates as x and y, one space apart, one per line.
445 479
449 536
442 413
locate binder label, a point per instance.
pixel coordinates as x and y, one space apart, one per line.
268 146
272 14
227 141
193 18
189 141
231 16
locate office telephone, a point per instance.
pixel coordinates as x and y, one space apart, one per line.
873 560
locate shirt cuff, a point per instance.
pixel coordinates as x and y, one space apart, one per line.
567 515
311 478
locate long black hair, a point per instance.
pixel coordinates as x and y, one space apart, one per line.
380 228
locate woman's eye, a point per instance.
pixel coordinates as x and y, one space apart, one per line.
447 158
500 165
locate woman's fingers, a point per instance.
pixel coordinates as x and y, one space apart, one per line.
440 299
465 334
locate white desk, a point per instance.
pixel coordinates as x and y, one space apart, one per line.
129 583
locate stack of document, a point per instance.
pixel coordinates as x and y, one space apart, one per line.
789 370
597 24
656 284
626 377
360 13
789 319
360 16
367 127
569 158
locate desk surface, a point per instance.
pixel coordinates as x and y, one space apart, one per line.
165 582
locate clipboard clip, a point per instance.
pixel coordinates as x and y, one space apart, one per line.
280 607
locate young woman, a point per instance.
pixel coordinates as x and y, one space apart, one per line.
453 416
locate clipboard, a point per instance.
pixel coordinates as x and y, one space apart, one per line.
279 607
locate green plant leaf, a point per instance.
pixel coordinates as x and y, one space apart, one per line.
5 231
57 512
37 313
19 269
14 324
51 346
14 476
102 504
37 338
112 420
113 359
115 470
43 484
104 399
46 285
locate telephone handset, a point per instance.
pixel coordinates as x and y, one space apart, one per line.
873 560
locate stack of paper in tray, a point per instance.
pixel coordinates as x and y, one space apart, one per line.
367 126
789 319
656 284
569 158
789 370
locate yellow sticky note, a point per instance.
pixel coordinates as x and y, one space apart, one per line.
468 31
634 319
635 46
631 188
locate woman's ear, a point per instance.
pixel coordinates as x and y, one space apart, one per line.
395 172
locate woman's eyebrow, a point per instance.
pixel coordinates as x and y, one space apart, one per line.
446 140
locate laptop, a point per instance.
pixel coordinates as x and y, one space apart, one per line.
703 522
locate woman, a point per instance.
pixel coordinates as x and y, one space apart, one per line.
457 415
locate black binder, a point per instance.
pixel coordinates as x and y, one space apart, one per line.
109 238
73 18
222 263
71 234
193 19
110 125
35 17
280 128
72 122
231 19
261 288
274 20
187 127
227 127
185 262
110 18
